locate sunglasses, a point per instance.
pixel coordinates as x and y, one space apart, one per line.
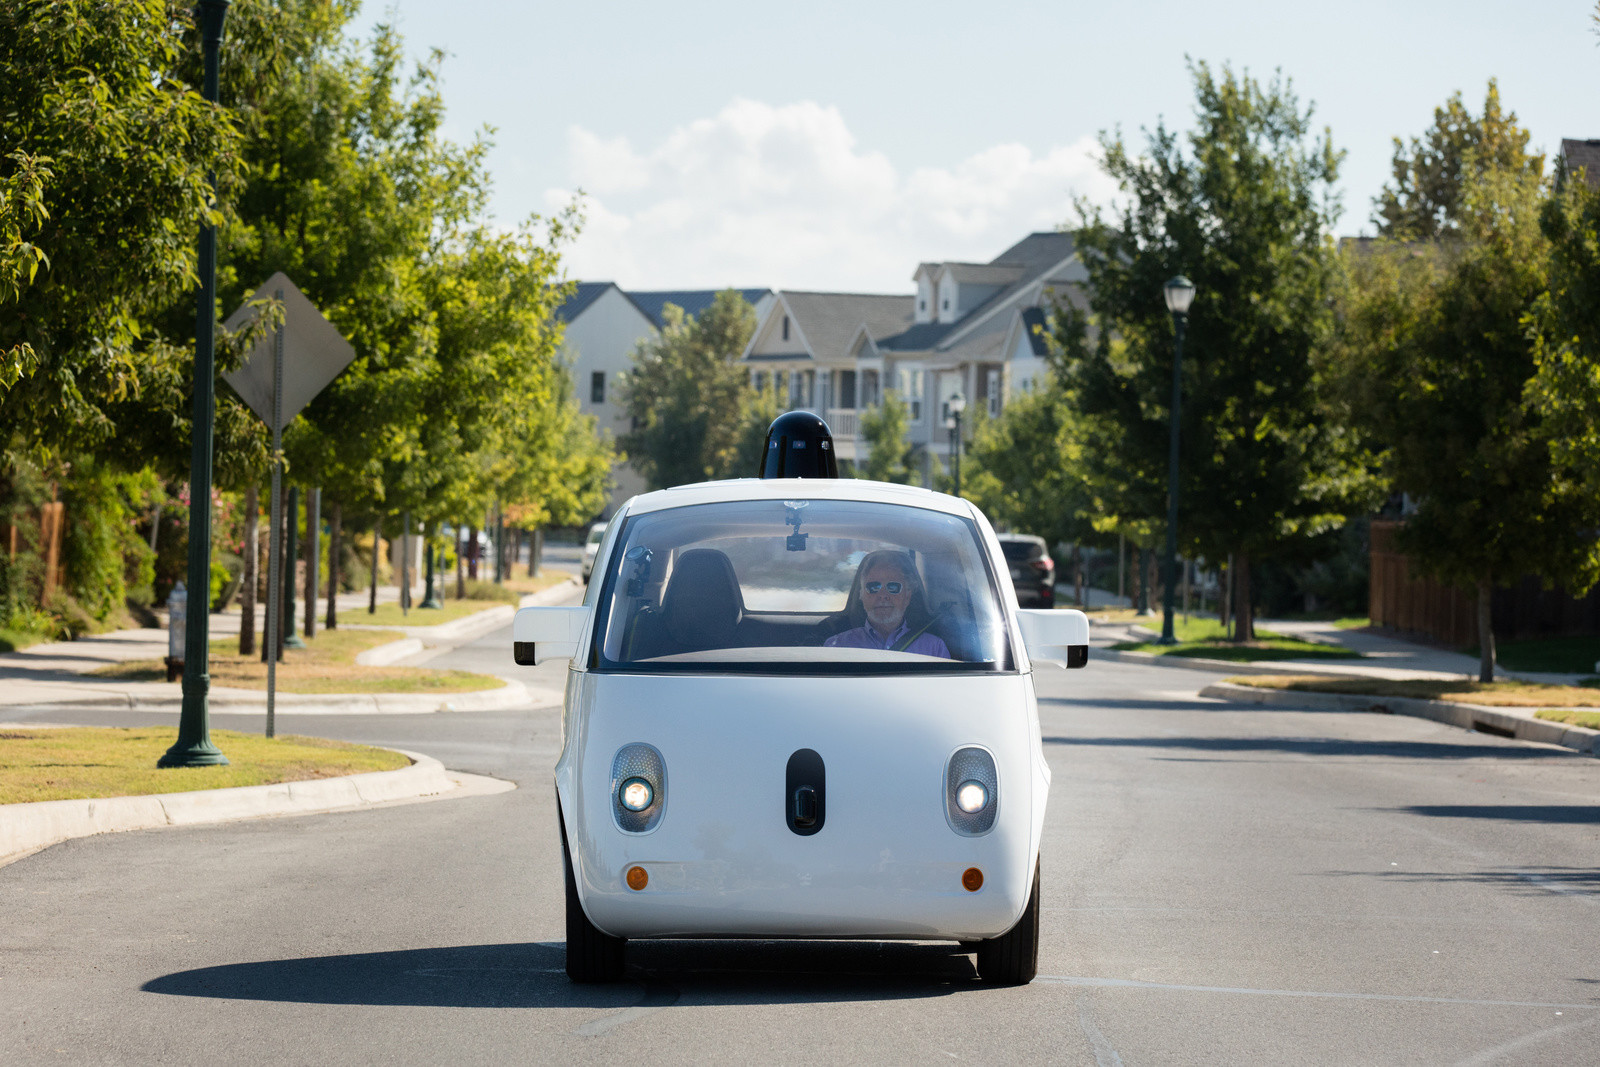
878 587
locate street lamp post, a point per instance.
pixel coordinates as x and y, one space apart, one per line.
193 748
1180 294
956 405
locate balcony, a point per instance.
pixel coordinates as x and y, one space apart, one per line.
844 422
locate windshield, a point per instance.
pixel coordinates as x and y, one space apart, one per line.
797 586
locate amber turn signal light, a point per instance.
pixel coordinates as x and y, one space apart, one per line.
638 878
971 879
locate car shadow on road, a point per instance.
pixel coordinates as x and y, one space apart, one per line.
533 975
1332 746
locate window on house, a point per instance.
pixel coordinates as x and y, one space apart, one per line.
911 390
786 327
597 387
946 305
992 392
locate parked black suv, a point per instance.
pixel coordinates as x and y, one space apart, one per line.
1033 572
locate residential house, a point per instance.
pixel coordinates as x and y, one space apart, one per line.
604 326
1582 155
971 328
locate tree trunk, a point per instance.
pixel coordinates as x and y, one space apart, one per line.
1225 593
313 558
472 553
1153 582
335 530
1077 574
535 551
461 566
1246 629
372 590
252 563
1141 591
1486 656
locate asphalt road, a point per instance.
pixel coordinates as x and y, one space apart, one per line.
1221 885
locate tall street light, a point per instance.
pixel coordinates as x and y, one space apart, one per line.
193 747
1180 294
955 405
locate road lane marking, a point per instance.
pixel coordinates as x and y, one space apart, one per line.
1499 1052
1129 983
656 998
1104 1054
1553 886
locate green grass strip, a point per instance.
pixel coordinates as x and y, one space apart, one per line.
81 762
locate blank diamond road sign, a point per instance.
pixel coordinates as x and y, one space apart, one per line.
313 352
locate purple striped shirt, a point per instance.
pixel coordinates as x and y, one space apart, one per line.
926 644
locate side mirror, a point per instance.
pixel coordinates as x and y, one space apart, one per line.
1055 636
538 634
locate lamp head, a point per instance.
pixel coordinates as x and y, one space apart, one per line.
1180 294
957 404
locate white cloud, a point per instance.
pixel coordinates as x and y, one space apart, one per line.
783 196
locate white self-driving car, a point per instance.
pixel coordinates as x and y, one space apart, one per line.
801 708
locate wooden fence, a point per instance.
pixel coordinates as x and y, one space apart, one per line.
1403 601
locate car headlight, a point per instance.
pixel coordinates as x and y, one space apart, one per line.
638 788
971 791
637 794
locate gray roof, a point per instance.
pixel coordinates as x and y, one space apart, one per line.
693 301
585 294
986 273
1585 154
829 321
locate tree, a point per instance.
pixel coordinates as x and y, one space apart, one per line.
1565 390
686 393
883 429
106 155
1245 214
1423 200
1441 365
1025 468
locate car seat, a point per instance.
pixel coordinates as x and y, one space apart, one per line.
702 606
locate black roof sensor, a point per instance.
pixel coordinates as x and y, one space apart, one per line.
799 445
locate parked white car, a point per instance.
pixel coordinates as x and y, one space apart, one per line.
591 545
801 708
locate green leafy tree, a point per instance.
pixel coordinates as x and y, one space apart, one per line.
686 394
106 154
1025 468
1565 390
1441 364
883 429
1423 199
1244 213
761 406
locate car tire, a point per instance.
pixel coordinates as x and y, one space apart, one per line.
592 955
1013 957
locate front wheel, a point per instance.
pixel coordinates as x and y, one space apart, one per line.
1013 957
592 954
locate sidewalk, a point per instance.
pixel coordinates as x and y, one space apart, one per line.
58 675
1386 657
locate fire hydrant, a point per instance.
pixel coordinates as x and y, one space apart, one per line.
177 624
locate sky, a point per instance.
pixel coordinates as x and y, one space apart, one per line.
835 145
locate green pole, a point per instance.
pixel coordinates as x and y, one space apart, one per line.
193 747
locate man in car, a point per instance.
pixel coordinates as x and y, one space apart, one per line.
890 596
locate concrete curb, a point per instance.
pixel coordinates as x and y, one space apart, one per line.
26 828
1215 666
384 655
1466 716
